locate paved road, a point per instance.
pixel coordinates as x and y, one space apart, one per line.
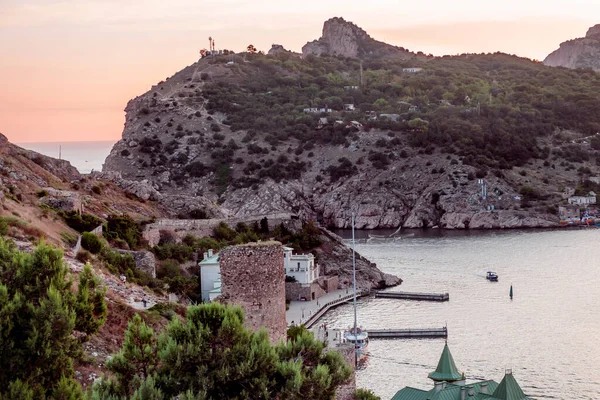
300 311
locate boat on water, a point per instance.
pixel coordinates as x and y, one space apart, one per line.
492 276
360 338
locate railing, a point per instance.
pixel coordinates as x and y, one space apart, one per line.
325 307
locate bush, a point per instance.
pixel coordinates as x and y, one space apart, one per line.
80 222
97 189
168 269
42 193
83 256
3 227
91 242
363 394
125 228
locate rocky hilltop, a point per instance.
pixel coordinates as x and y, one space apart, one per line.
578 53
343 38
395 141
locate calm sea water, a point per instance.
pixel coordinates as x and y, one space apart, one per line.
85 156
548 335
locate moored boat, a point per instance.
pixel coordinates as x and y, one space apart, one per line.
492 276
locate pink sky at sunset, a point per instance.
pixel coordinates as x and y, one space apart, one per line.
69 67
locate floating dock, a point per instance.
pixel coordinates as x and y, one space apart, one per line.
414 296
407 333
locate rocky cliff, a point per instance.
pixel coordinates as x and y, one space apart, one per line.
578 53
343 38
181 142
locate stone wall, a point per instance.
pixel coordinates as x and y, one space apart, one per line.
346 391
252 276
295 291
204 227
144 261
329 283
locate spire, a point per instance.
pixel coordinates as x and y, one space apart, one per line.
446 369
509 389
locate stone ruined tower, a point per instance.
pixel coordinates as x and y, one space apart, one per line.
253 277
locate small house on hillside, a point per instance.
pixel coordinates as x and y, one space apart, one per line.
351 87
412 70
301 266
392 117
349 107
210 276
582 200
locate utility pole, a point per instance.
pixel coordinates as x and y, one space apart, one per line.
354 284
361 75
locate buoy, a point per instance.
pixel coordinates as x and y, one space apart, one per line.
511 292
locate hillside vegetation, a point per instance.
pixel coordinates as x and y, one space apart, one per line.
489 109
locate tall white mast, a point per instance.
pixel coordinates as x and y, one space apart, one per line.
354 285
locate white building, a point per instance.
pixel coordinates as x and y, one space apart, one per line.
578 200
210 276
349 107
412 70
300 266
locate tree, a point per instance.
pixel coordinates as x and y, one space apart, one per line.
90 305
251 49
213 356
39 313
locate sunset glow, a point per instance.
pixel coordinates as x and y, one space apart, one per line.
69 67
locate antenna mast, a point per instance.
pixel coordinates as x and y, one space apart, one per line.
354 285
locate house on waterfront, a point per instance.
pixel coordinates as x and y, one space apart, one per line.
210 276
583 200
300 266
450 384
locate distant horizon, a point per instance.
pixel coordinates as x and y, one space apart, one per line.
72 67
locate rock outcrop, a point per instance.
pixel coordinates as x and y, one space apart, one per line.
279 49
578 53
343 38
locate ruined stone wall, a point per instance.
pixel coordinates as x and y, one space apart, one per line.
204 227
329 283
253 277
144 261
294 291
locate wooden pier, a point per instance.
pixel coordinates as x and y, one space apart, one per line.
407 333
414 296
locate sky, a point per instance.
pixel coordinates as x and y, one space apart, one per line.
69 67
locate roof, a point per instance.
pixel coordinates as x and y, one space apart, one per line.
285 248
446 369
509 389
214 259
450 392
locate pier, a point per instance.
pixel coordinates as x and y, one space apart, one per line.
407 333
414 296
323 308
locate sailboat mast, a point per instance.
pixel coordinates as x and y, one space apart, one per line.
354 286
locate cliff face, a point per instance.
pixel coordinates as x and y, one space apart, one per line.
578 53
343 38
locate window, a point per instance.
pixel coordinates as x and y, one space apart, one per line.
298 266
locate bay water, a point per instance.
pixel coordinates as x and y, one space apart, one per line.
548 335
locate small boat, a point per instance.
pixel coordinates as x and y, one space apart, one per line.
492 276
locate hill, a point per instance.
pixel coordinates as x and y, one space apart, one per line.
578 53
398 142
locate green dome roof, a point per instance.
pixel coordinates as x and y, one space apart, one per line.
446 369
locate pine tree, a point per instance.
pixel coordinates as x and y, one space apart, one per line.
213 356
38 314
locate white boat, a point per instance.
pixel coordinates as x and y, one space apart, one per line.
360 340
492 276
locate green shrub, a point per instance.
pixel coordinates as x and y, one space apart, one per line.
91 242
96 189
3 227
83 256
123 227
363 394
42 193
80 222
